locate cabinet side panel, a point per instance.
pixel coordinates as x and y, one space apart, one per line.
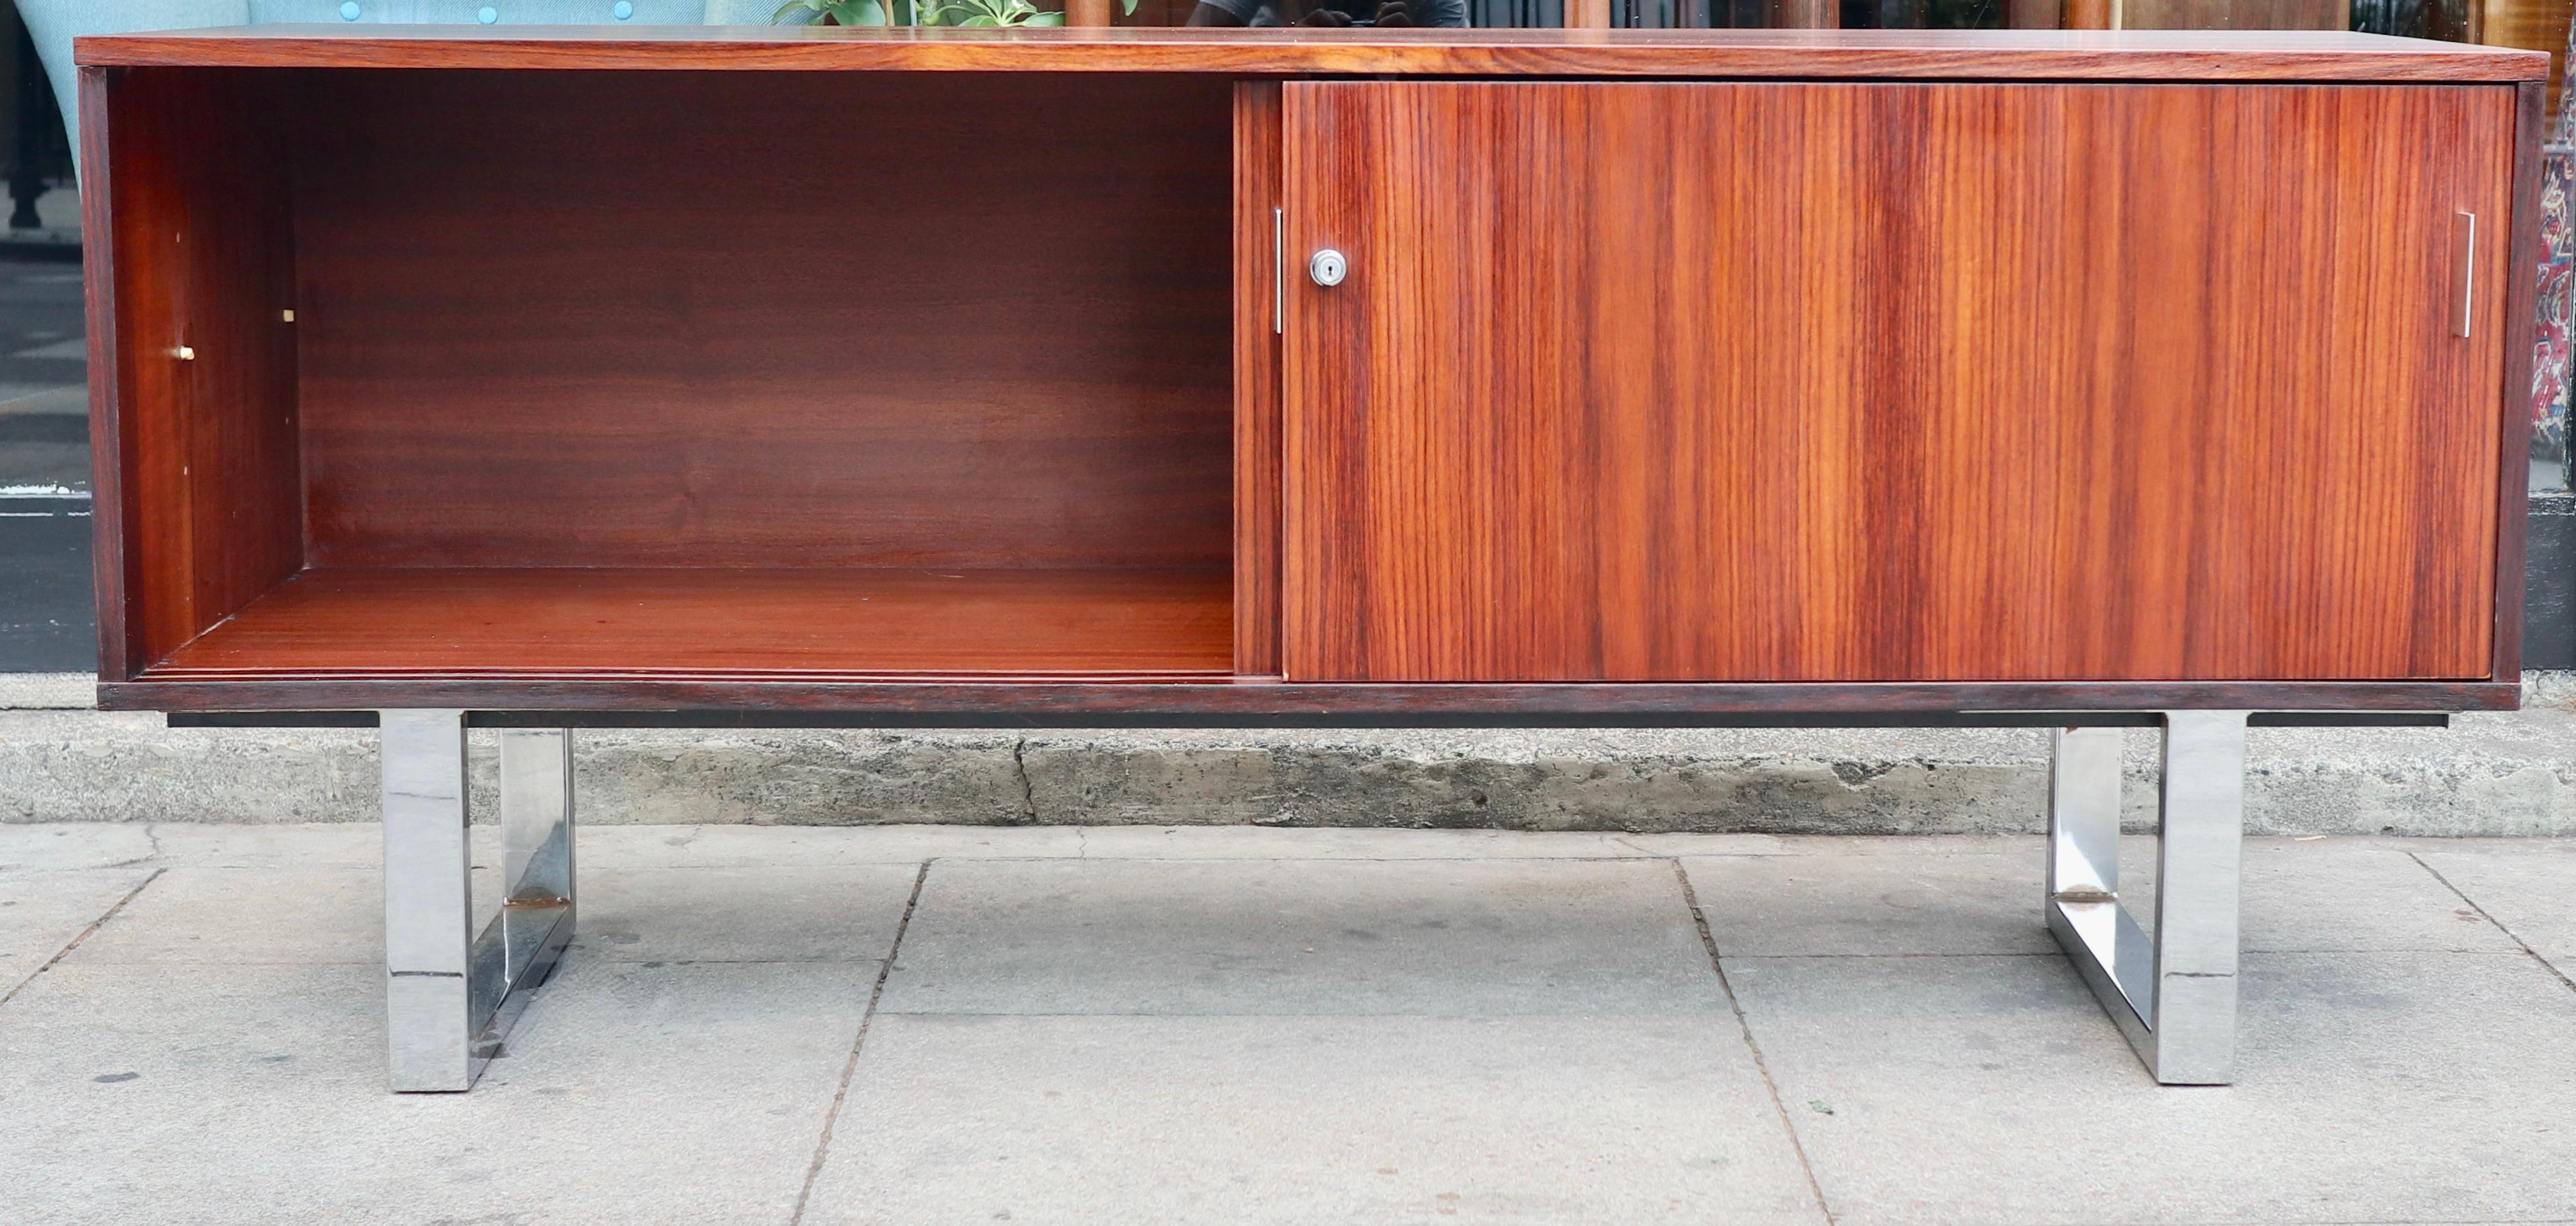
1946 383
1258 263
118 655
145 210
199 387
245 465
2522 248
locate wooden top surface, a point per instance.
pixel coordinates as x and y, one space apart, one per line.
2132 55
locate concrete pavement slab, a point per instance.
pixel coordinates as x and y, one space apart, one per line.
285 845
2494 773
2415 1087
2299 896
778 913
2528 888
48 691
1818 844
732 844
695 846
361 844
72 845
1510 1039
1930 903
1234 936
1318 843
719 845
41 914
1765 779
1981 896
1308 1121
248 916
769 913
255 1094
129 766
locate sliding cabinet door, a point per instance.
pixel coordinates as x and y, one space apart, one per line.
1892 382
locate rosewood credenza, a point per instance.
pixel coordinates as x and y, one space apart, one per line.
562 378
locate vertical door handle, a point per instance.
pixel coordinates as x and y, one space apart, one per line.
2464 240
1278 271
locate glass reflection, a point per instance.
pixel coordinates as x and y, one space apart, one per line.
2449 19
1382 14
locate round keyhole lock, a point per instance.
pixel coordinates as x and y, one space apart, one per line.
1328 267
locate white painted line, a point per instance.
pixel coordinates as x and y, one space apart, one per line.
76 348
42 491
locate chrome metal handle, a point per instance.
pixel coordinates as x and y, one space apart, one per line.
1328 267
1278 271
2464 237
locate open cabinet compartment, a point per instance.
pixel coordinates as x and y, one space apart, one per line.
716 373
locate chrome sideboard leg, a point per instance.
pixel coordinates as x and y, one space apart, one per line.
450 996
2173 994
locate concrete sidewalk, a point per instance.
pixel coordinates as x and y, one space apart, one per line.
922 1026
2491 774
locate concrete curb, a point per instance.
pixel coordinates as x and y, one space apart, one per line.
2489 775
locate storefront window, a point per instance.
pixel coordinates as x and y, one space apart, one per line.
2458 20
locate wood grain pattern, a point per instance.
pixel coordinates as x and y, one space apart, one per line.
1228 702
2523 249
148 413
1956 54
613 396
197 459
742 623
112 496
1967 383
1256 377
665 328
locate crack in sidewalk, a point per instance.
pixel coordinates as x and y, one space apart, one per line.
1028 792
94 925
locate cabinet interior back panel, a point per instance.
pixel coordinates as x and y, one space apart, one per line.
1892 382
666 319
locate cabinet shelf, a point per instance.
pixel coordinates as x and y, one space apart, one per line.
746 623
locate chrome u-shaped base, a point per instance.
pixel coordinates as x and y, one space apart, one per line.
2173 994
450 995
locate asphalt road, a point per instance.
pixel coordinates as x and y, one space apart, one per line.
46 620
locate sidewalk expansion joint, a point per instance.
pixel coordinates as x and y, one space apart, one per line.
2510 934
832 1117
95 925
1744 1027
